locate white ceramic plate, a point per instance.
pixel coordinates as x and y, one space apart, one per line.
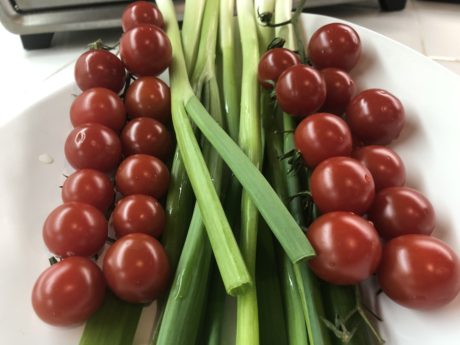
29 189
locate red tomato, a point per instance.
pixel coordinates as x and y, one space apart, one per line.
139 213
142 174
145 50
273 63
300 90
419 272
141 12
340 88
342 184
93 146
148 136
348 248
98 105
399 211
136 268
375 116
89 186
68 292
321 136
149 97
334 45
75 228
99 68
385 165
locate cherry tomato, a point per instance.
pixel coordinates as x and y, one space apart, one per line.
139 213
98 105
300 90
342 184
321 136
75 228
136 268
385 165
348 248
399 211
149 97
93 146
419 272
334 45
89 186
145 50
99 68
148 136
68 292
141 12
340 88
375 116
142 174
273 63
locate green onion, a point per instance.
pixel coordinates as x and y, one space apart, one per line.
193 14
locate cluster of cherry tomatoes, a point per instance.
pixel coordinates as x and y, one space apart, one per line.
103 145
370 222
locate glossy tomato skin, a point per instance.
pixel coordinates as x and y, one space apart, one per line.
419 272
75 228
68 292
321 136
147 136
300 90
375 116
145 50
385 165
274 62
348 248
98 105
149 97
141 12
89 186
139 213
136 268
142 174
340 89
93 146
342 184
99 68
334 45
399 211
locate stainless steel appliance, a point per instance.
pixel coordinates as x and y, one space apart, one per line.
37 21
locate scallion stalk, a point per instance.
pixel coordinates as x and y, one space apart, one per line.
193 14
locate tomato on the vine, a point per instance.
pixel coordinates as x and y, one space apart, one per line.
375 116
141 12
334 45
136 268
93 146
340 89
399 211
99 68
98 105
342 184
300 90
321 136
142 174
75 228
385 165
149 97
139 213
347 247
68 292
148 136
419 272
145 50
89 186
274 62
